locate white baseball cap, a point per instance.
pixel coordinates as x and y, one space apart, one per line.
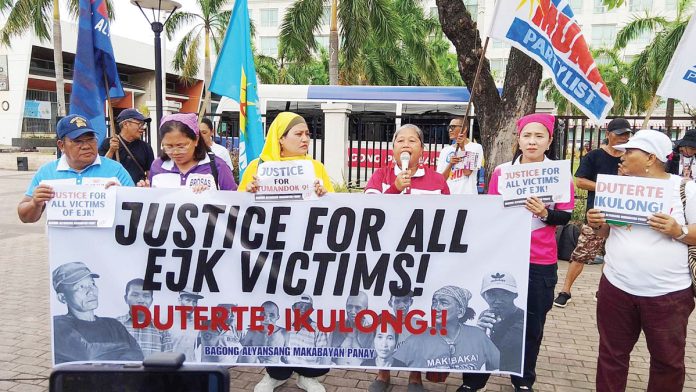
499 280
650 141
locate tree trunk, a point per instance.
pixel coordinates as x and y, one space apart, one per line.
649 112
669 114
206 77
58 59
333 45
496 115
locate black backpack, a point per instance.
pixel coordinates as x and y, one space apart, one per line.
567 240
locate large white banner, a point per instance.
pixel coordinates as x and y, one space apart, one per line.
680 78
358 281
547 31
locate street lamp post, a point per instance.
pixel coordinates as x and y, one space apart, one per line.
159 9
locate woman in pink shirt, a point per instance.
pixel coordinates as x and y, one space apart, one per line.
534 137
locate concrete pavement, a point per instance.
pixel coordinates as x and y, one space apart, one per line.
567 361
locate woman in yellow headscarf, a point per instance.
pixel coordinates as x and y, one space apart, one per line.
287 139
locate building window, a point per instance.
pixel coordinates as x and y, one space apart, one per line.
269 46
599 7
576 6
323 41
269 17
498 67
603 36
498 44
643 39
640 5
472 7
326 15
434 13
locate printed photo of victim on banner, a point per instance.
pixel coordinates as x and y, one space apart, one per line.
428 282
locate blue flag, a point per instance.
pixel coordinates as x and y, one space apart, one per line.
235 78
95 66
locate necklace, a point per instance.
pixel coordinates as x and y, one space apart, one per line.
452 347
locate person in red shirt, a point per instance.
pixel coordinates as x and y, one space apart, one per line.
416 178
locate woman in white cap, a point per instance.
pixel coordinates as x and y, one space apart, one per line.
646 284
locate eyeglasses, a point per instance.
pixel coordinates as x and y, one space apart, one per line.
176 149
454 126
83 141
141 125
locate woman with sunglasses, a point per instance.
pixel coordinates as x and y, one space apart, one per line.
185 162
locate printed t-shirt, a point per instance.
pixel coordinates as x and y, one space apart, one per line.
165 174
425 181
458 183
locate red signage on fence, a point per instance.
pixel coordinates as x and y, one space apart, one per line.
378 157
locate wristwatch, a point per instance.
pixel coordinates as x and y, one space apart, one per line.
685 232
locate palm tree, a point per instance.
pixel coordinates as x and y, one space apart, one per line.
648 68
211 24
359 20
34 15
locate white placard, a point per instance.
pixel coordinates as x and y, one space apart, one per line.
547 180
286 180
81 206
470 160
632 199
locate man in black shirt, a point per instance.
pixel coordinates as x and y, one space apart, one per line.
603 160
127 146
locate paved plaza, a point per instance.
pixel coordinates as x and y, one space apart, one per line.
566 363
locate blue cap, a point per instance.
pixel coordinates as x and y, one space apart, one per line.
132 114
73 126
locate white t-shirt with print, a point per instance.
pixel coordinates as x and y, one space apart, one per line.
645 262
460 184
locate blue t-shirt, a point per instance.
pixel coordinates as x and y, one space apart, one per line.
60 170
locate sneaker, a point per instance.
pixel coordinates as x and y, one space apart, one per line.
268 384
309 384
523 388
562 300
466 388
597 260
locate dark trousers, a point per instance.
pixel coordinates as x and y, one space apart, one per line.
542 281
663 319
283 373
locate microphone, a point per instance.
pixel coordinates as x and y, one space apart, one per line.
405 158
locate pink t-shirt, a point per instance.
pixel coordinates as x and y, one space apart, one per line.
425 181
543 249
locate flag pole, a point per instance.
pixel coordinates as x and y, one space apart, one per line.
112 124
465 127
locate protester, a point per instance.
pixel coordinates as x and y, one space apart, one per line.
503 320
206 127
534 137
355 338
463 347
646 284
127 146
77 142
416 178
683 163
185 162
288 139
228 339
460 180
603 160
150 339
185 340
80 335
264 338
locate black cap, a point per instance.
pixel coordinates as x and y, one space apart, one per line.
132 114
689 139
619 126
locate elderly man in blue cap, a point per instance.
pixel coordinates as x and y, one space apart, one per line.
79 164
80 335
127 145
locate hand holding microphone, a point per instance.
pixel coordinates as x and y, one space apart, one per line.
403 180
